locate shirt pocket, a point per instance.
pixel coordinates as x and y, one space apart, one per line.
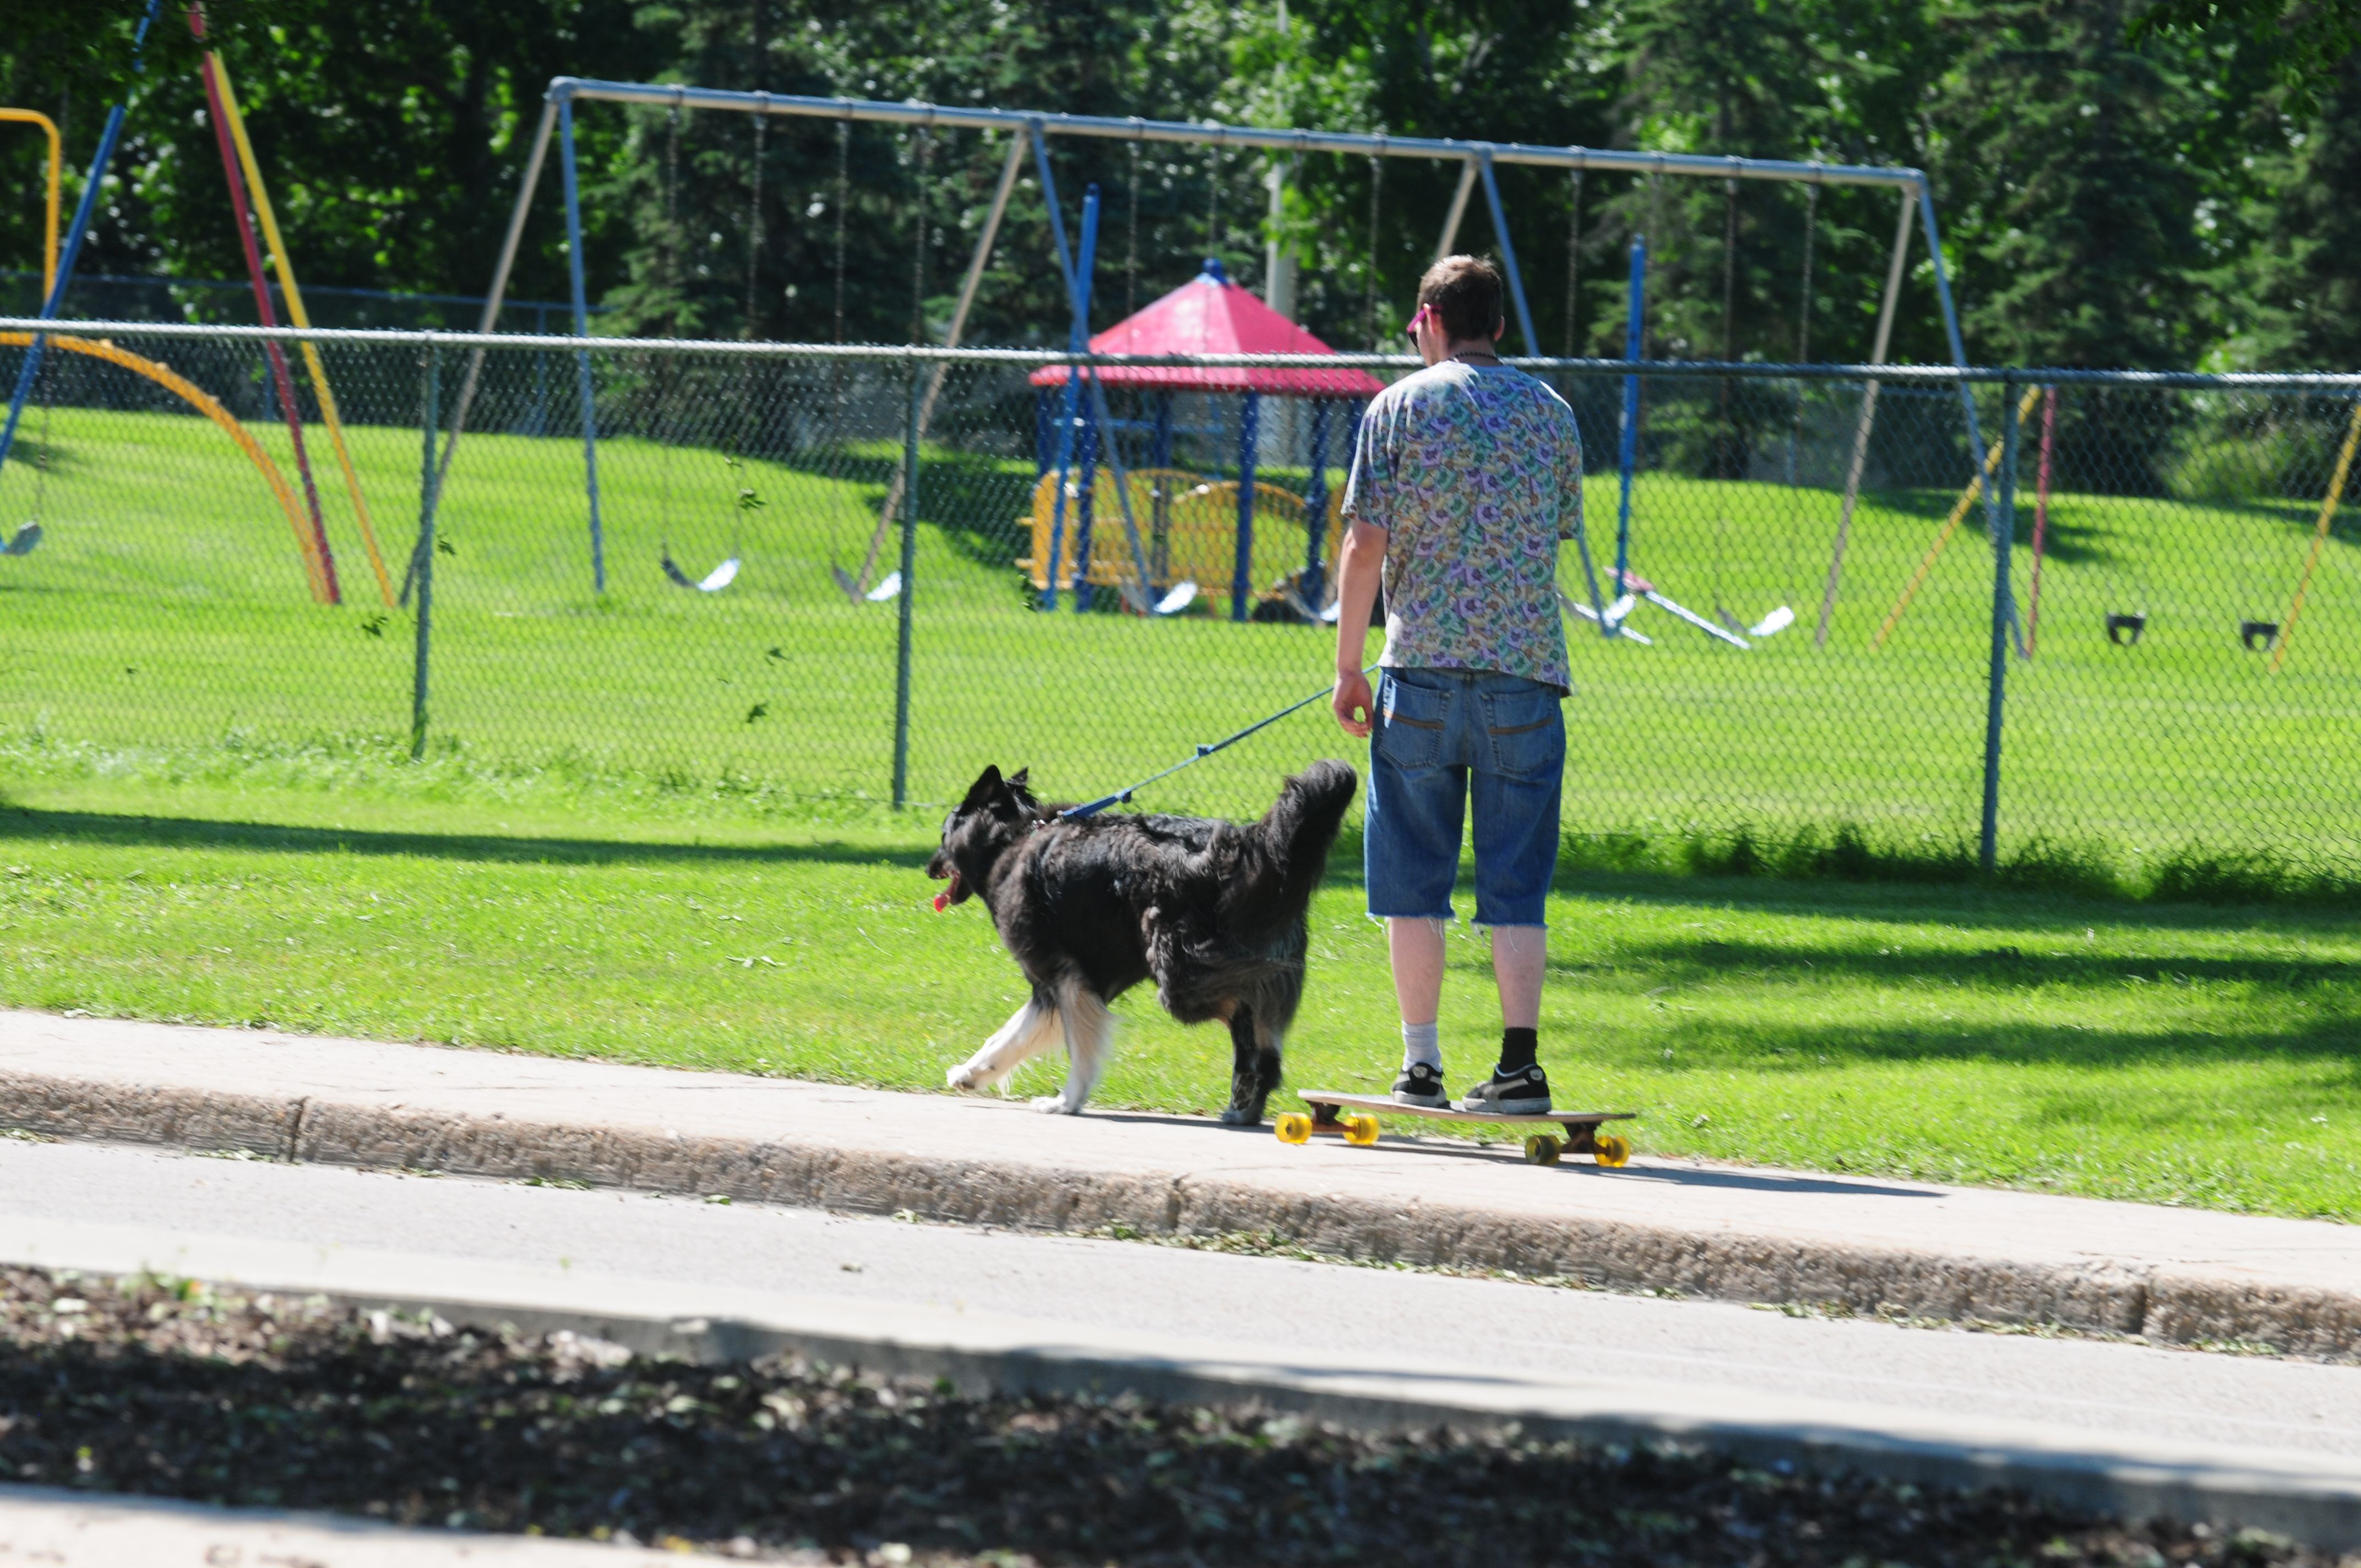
1410 722
1525 732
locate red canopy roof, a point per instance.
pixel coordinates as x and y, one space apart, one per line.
1210 314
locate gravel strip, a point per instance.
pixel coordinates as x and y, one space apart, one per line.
168 1388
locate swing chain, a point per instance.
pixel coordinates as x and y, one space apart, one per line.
923 157
1573 259
1131 249
754 224
844 197
1369 305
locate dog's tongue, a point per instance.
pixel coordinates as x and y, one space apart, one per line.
943 899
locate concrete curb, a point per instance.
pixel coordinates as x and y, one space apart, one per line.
2165 1303
2310 1496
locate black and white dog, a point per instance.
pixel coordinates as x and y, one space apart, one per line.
1213 912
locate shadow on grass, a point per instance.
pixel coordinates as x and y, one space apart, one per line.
1807 1048
2003 966
122 829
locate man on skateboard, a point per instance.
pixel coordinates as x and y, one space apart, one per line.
1465 477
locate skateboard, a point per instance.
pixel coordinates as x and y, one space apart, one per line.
1581 1127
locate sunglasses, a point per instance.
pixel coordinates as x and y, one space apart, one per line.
1417 321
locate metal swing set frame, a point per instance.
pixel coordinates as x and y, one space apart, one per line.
1478 160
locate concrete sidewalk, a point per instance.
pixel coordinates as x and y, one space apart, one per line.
2173 1276
63 1528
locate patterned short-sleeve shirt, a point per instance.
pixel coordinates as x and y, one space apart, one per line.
1476 474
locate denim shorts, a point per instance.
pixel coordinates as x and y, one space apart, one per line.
1436 734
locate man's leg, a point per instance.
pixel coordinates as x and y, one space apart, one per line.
1519 955
1415 946
1518 772
1410 855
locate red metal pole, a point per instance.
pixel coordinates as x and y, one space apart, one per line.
326 568
2040 519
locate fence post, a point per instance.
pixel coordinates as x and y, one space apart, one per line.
909 591
2003 616
430 415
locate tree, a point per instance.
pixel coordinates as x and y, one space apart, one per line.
2299 287
2065 163
2307 42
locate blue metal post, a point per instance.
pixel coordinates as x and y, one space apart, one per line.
904 609
1967 393
1242 574
1041 442
1508 253
1627 454
1079 339
537 423
1073 379
29 372
1315 505
2003 617
1159 445
582 329
1086 469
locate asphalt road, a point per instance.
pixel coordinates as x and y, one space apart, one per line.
1399 1319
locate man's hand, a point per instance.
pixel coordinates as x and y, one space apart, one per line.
1356 594
1353 704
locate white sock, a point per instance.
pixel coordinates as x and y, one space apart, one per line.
1420 1043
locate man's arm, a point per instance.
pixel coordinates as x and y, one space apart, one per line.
1356 594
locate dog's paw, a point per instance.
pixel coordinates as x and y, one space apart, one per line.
964 1076
1241 1117
1055 1105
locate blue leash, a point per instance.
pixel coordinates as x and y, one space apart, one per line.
1123 797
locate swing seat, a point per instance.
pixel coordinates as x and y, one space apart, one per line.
1778 620
2259 635
713 582
25 538
2123 631
886 590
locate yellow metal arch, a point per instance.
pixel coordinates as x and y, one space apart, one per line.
205 403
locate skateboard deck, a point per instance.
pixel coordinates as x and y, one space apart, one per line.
1346 1115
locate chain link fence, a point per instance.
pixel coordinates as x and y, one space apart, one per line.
780 589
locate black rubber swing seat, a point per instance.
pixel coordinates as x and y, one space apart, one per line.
2123 631
2259 635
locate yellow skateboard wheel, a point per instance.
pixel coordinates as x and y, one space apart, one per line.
1293 1127
1611 1151
1541 1149
1360 1131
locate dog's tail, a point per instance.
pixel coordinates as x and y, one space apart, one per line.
1295 836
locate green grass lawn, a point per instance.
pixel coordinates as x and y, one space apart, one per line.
649 825
2173 1054
166 613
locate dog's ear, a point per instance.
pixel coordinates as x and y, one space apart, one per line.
987 784
1020 785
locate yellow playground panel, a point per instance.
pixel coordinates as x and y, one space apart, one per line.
1188 530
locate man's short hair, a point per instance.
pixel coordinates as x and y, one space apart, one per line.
1465 292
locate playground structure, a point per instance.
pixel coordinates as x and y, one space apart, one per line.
2124 628
1202 529
58 263
1476 160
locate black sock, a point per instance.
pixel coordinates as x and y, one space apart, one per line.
1517 1049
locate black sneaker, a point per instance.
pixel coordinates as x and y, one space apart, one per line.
1421 1085
1524 1092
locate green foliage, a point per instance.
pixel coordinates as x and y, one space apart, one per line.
2149 187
